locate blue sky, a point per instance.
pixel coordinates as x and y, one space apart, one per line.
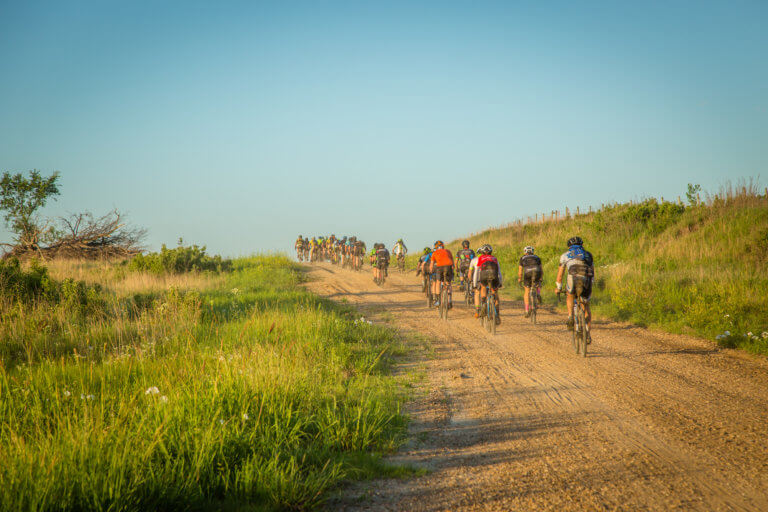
239 125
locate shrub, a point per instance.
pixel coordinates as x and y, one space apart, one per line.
179 260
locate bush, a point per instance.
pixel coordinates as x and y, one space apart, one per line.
35 285
179 260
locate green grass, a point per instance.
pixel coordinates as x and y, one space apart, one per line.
699 269
247 392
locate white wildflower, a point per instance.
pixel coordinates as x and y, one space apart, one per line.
719 337
164 399
152 391
749 334
765 335
221 422
727 333
82 396
245 416
67 393
89 397
235 291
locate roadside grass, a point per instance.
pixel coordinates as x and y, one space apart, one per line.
697 269
225 390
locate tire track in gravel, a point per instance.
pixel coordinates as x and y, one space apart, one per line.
517 421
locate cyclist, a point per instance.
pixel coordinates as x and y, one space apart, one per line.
358 249
441 264
399 250
382 262
464 257
530 273
372 256
299 246
579 265
423 268
485 270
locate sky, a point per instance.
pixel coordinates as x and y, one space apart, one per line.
240 125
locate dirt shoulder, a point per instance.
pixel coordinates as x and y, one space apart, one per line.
517 421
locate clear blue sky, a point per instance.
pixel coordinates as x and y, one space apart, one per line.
241 124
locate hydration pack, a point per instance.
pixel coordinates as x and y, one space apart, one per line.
582 265
488 271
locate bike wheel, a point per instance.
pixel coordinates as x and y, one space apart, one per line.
492 316
532 305
574 340
444 302
583 334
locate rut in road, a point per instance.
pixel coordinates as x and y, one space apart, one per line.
518 421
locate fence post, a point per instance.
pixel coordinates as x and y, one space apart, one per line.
566 213
590 208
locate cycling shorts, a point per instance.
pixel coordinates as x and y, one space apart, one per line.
444 273
579 285
532 275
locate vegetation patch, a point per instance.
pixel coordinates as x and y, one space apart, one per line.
696 269
250 392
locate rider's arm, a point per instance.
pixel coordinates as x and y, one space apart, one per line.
559 280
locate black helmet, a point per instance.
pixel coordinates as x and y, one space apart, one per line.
576 240
465 244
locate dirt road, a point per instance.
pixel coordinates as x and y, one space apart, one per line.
517 421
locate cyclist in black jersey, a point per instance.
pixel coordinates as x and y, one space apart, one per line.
464 257
530 273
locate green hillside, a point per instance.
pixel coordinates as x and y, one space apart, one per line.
697 269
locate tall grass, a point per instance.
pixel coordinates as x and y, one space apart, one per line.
698 269
241 389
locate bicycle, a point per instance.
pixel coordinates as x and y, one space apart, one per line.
469 296
443 307
428 290
401 263
533 301
580 333
489 311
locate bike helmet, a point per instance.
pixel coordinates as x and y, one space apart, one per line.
485 249
576 240
465 244
427 250
439 244
399 240
528 250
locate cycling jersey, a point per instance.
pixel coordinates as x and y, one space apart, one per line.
477 264
382 257
530 261
399 249
465 257
442 257
578 261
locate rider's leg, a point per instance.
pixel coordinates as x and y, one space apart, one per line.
526 293
569 299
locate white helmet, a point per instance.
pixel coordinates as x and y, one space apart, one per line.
528 250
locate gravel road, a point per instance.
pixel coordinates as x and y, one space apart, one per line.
518 421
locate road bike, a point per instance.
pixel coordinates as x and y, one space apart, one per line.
580 334
533 300
469 296
442 309
488 310
401 263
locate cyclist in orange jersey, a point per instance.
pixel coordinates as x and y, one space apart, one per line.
441 264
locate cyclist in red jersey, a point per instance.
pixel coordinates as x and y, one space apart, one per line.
441 264
485 270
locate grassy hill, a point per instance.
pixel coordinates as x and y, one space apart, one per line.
698 269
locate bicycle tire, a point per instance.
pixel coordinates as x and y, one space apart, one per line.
583 336
574 340
492 319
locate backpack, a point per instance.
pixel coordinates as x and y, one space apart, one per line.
583 265
488 271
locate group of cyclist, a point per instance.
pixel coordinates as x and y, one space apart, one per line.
478 270
347 251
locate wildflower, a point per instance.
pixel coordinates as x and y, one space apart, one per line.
67 393
221 422
82 396
727 316
245 416
89 397
764 335
164 399
152 391
749 334
727 333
